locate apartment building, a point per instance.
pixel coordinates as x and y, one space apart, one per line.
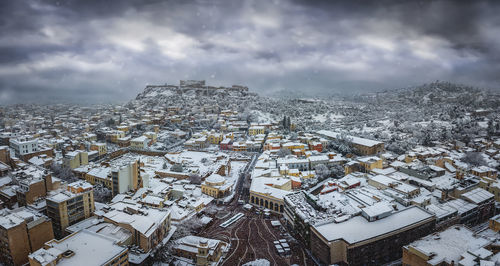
114 135
484 172
98 175
71 206
75 159
100 147
4 154
256 130
139 143
22 231
148 225
152 136
34 183
6 136
23 146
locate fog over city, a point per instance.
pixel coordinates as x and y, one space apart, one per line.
107 51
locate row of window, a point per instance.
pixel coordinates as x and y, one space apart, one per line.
267 204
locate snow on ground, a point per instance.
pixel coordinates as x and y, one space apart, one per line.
367 129
263 117
163 92
258 262
320 118
386 122
490 162
236 166
482 124
323 117
193 161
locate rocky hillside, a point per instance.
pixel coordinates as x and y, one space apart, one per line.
171 95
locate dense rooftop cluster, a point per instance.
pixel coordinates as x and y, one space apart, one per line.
366 177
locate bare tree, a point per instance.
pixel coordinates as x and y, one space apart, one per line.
195 179
177 168
322 171
188 227
343 144
283 152
212 209
474 158
102 194
337 170
64 173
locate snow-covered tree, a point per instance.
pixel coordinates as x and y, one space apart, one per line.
283 152
195 179
63 172
474 158
101 193
337 170
343 144
177 168
322 171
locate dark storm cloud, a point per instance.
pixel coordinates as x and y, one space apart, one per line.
105 51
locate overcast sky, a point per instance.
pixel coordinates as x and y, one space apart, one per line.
106 50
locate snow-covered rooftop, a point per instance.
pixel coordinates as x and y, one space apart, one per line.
355 140
88 248
449 245
359 229
478 196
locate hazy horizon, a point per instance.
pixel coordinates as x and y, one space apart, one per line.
107 51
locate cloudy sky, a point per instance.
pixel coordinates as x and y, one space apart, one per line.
107 51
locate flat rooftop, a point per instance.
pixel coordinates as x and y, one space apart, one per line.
355 140
359 229
89 249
